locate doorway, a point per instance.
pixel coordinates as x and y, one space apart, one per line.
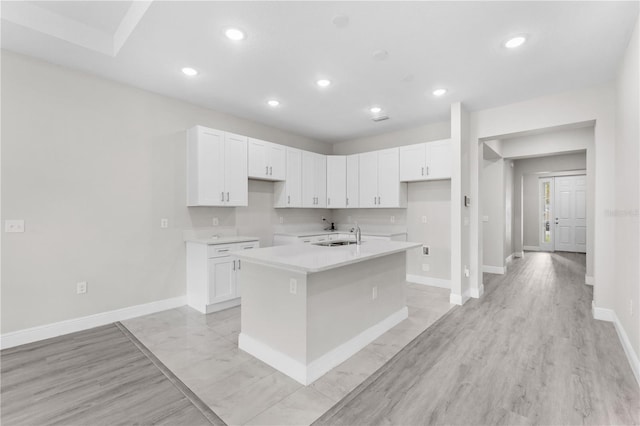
563 213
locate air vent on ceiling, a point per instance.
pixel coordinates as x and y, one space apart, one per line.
381 118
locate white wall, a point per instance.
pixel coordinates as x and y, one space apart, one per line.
423 133
92 166
493 207
528 172
508 176
626 211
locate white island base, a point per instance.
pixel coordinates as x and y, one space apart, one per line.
305 323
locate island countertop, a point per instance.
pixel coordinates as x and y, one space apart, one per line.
310 258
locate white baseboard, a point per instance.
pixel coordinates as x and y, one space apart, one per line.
41 332
531 248
508 259
494 269
589 280
459 299
307 374
610 315
519 254
433 282
477 293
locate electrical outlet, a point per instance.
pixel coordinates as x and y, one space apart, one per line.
16 225
425 267
393 219
467 273
293 286
424 219
374 293
215 221
426 250
164 223
81 287
281 220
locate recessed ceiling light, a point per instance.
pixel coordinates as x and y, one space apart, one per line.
273 103
234 34
375 109
439 92
514 42
323 83
189 71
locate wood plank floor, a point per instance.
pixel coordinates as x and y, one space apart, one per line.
94 377
528 352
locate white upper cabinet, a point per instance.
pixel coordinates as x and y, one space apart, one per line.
336 181
314 180
426 161
353 181
379 175
266 160
289 192
216 168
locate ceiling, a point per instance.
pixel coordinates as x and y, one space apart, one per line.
290 45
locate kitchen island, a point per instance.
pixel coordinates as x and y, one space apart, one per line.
307 308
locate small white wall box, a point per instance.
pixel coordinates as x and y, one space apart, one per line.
426 250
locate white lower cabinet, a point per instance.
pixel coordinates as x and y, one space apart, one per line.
212 275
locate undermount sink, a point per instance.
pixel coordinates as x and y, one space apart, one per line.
334 243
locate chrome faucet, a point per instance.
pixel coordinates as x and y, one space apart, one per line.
358 235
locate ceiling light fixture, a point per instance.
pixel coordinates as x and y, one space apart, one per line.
323 83
189 71
439 92
514 42
234 34
375 109
273 103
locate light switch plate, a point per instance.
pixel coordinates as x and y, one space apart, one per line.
14 225
164 223
424 219
215 221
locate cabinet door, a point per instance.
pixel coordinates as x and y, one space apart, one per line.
236 180
205 164
222 276
336 181
413 162
321 180
352 182
439 159
277 162
368 178
258 163
308 179
389 178
294 178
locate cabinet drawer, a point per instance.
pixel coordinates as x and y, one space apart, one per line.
219 250
248 246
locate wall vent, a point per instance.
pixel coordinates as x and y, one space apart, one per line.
381 118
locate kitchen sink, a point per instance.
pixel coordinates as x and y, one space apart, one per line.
334 243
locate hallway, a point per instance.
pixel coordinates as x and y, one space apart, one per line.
527 352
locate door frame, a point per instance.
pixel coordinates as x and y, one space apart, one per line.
550 177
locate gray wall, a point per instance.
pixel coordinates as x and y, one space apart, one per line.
626 211
493 212
508 208
92 166
528 172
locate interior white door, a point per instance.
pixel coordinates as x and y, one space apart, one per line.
571 213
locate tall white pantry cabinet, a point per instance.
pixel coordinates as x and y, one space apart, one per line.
216 168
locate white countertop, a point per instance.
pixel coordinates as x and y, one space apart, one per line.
310 258
221 240
321 232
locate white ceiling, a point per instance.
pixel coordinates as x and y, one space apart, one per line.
457 45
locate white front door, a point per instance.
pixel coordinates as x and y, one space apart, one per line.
571 213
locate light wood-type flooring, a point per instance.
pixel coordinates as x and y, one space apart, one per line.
94 377
528 352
